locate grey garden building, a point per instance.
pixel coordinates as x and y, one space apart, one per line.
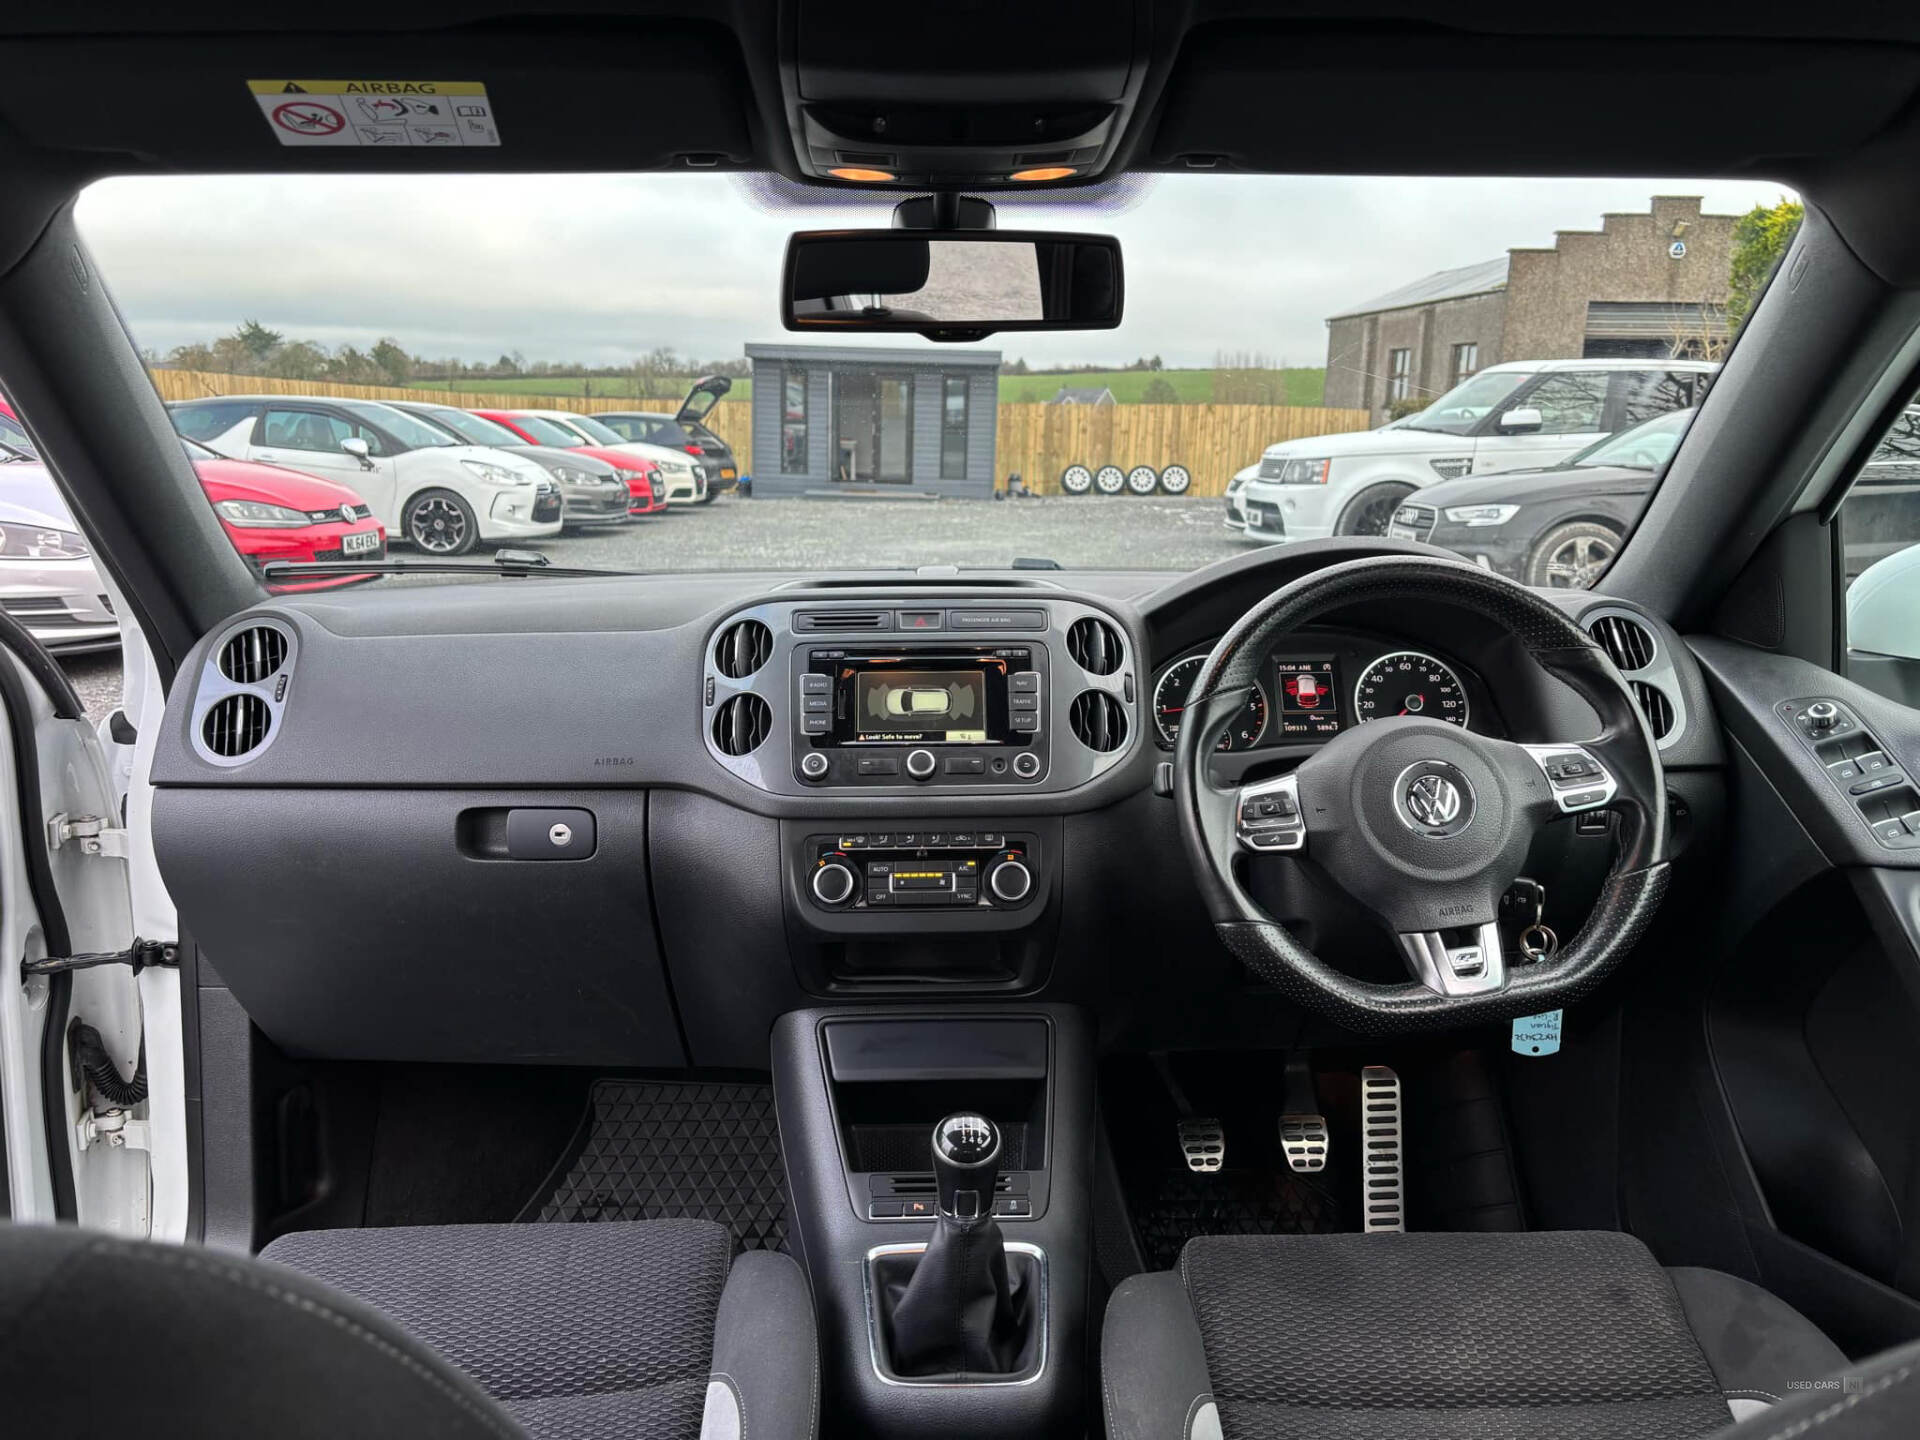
833 418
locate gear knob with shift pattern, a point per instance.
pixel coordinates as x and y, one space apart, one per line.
966 1165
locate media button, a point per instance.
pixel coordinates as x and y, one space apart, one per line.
818 704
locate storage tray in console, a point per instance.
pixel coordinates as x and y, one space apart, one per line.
363 924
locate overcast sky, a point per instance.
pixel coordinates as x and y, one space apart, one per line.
599 269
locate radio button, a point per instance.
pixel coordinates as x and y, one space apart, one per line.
811 684
921 764
1025 682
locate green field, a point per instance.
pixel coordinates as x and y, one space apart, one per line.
1194 387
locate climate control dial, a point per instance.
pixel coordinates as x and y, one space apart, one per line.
834 882
1009 880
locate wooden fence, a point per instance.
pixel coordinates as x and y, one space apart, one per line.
1212 441
1036 442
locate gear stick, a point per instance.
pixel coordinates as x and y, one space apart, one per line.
960 1313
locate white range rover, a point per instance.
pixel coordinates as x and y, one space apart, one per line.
1520 415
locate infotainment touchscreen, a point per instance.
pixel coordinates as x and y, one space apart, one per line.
936 696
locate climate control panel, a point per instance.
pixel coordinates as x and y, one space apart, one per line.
930 869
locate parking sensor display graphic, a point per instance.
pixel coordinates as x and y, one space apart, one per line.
921 705
1309 697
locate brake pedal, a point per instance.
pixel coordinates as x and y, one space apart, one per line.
1304 1141
1204 1143
1385 1202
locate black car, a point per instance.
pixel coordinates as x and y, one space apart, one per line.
1559 526
683 430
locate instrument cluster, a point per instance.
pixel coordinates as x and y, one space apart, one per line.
1309 692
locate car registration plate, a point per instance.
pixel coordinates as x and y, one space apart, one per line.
1401 532
363 542
727 473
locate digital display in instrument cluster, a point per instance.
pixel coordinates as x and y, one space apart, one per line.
1307 696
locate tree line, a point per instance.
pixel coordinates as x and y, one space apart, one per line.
256 349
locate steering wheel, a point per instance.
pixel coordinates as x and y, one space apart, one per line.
1424 823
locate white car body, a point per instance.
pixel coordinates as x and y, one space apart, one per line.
501 489
1327 484
685 477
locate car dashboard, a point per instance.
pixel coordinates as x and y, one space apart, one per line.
657 812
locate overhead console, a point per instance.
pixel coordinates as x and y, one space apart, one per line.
969 95
892 697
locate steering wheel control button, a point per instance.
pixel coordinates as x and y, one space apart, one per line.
1026 764
1579 781
1267 815
1433 797
814 765
921 764
549 834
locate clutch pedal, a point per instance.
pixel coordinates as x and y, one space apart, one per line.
1385 1202
1204 1143
1304 1141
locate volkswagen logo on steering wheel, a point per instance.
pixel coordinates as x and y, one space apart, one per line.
1433 798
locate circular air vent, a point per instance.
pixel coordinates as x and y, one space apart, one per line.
1628 643
1655 706
236 725
253 654
744 647
743 722
1094 646
1098 721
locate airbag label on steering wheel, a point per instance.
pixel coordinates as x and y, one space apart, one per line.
1537 1034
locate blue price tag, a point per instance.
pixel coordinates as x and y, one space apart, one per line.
1537 1034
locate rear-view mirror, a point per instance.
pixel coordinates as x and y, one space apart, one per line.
1524 418
951 285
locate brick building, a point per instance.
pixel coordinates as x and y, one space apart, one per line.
1650 284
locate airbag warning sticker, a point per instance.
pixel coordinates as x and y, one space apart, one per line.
433 113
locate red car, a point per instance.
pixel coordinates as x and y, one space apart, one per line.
649 491
272 513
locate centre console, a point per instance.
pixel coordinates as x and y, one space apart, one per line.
956 697
940 1163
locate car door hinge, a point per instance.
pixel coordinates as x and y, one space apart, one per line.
90 833
114 1128
141 955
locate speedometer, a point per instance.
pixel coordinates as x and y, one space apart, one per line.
1170 703
1409 683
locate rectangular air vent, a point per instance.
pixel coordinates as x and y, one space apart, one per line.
814 621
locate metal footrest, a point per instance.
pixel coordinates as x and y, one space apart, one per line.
1204 1143
1304 1140
1384 1202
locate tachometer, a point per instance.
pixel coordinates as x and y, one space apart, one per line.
1170 702
1409 683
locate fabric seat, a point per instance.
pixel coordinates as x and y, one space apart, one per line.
1578 1336
484 1332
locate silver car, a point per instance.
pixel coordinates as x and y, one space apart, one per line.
47 579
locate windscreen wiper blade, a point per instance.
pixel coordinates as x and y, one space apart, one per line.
509 564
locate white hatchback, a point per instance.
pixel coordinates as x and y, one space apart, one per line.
1526 413
683 474
423 485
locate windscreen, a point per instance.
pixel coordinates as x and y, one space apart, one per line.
1441 361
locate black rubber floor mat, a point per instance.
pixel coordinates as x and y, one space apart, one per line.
659 1150
1232 1202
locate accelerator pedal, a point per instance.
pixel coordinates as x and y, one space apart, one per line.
1204 1143
1384 1205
